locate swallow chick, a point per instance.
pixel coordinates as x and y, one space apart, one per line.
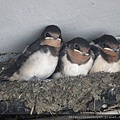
107 51
75 59
39 59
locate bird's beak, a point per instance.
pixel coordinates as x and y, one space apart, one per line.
49 38
114 49
85 54
58 39
108 49
52 41
53 38
82 53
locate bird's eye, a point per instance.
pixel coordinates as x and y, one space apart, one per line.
104 44
59 36
48 35
76 47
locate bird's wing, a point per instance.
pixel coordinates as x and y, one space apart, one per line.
61 54
29 50
60 65
95 50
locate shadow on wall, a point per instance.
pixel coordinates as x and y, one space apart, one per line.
32 35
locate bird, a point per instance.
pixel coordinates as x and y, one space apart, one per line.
107 54
75 58
39 59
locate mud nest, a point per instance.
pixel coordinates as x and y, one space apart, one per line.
94 93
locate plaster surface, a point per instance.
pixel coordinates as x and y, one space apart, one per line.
22 21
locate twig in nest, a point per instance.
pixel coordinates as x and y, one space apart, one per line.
5 110
113 112
112 107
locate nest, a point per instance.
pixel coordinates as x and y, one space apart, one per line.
94 94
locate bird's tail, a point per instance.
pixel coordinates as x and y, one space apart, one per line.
5 74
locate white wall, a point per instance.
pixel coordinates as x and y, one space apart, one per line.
21 21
